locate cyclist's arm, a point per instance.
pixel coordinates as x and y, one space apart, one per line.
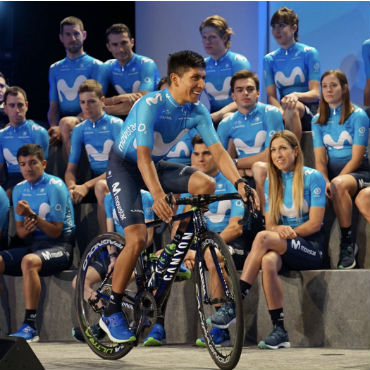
219 115
247 162
233 230
272 97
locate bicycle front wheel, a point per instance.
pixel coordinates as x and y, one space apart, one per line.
93 289
217 283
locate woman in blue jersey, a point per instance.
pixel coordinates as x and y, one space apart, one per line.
295 207
340 138
292 72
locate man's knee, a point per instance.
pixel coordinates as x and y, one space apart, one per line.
200 183
101 189
67 124
31 262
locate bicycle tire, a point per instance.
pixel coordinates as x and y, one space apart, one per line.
225 357
86 315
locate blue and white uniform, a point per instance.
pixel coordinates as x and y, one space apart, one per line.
158 122
290 70
66 76
302 253
12 138
138 74
366 57
218 77
251 132
338 139
49 198
181 151
97 138
4 218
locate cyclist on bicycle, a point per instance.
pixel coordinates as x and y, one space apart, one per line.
155 123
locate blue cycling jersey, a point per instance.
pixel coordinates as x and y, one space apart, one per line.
219 213
218 77
291 69
66 76
251 132
366 57
338 139
138 74
49 198
98 138
181 152
314 196
4 213
111 213
12 138
157 121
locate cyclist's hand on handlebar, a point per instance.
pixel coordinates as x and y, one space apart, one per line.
162 208
243 191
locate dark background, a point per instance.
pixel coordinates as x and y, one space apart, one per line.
29 41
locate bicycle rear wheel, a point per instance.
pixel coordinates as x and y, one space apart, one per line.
92 295
223 288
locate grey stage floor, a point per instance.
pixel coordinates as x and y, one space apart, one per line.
75 356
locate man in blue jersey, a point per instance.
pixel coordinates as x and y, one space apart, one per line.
292 73
96 135
65 77
44 223
20 131
366 59
250 128
220 65
132 75
155 123
4 219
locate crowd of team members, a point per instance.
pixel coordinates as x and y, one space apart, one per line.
269 158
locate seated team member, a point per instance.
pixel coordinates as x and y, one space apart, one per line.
340 137
220 65
132 75
366 59
295 207
96 134
20 131
294 71
4 219
44 222
3 116
98 272
363 202
65 77
135 163
250 128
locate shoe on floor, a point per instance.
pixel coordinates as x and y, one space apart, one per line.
347 257
278 338
223 317
96 331
116 328
156 336
220 337
27 332
183 274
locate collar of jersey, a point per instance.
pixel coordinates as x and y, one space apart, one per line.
287 175
221 59
38 182
131 61
337 110
168 96
98 121
76 59
20 126
250 113
290 49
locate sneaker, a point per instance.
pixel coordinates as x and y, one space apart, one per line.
223 317
278 338
116 328
27 332
220 337
347 256
156 336
96 331
183 273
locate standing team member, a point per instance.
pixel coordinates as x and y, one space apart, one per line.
20 131
340 138
293 71
44 223
294 212
65 77
220 65
131 74
134 163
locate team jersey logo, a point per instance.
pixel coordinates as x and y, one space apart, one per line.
242 147
282 80
180 150
222 94
160 147
70 93
220 214
9 157
339 144
154 100
94 153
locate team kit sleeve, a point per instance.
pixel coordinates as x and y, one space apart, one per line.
41 137
366 57
317 189
53 92
240 62
313 61
361 132
223 132
147 200
108 205
58 198
99 74
274 121
267 71
149 76
16 196
317 138
4 210
76 145
204 125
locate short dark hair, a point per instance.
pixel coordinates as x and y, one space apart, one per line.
70 21
287 16
197 139
117 28
91 86
244 74
14 91
183 60
31 149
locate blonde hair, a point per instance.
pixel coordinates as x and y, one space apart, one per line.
220 24
276 191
